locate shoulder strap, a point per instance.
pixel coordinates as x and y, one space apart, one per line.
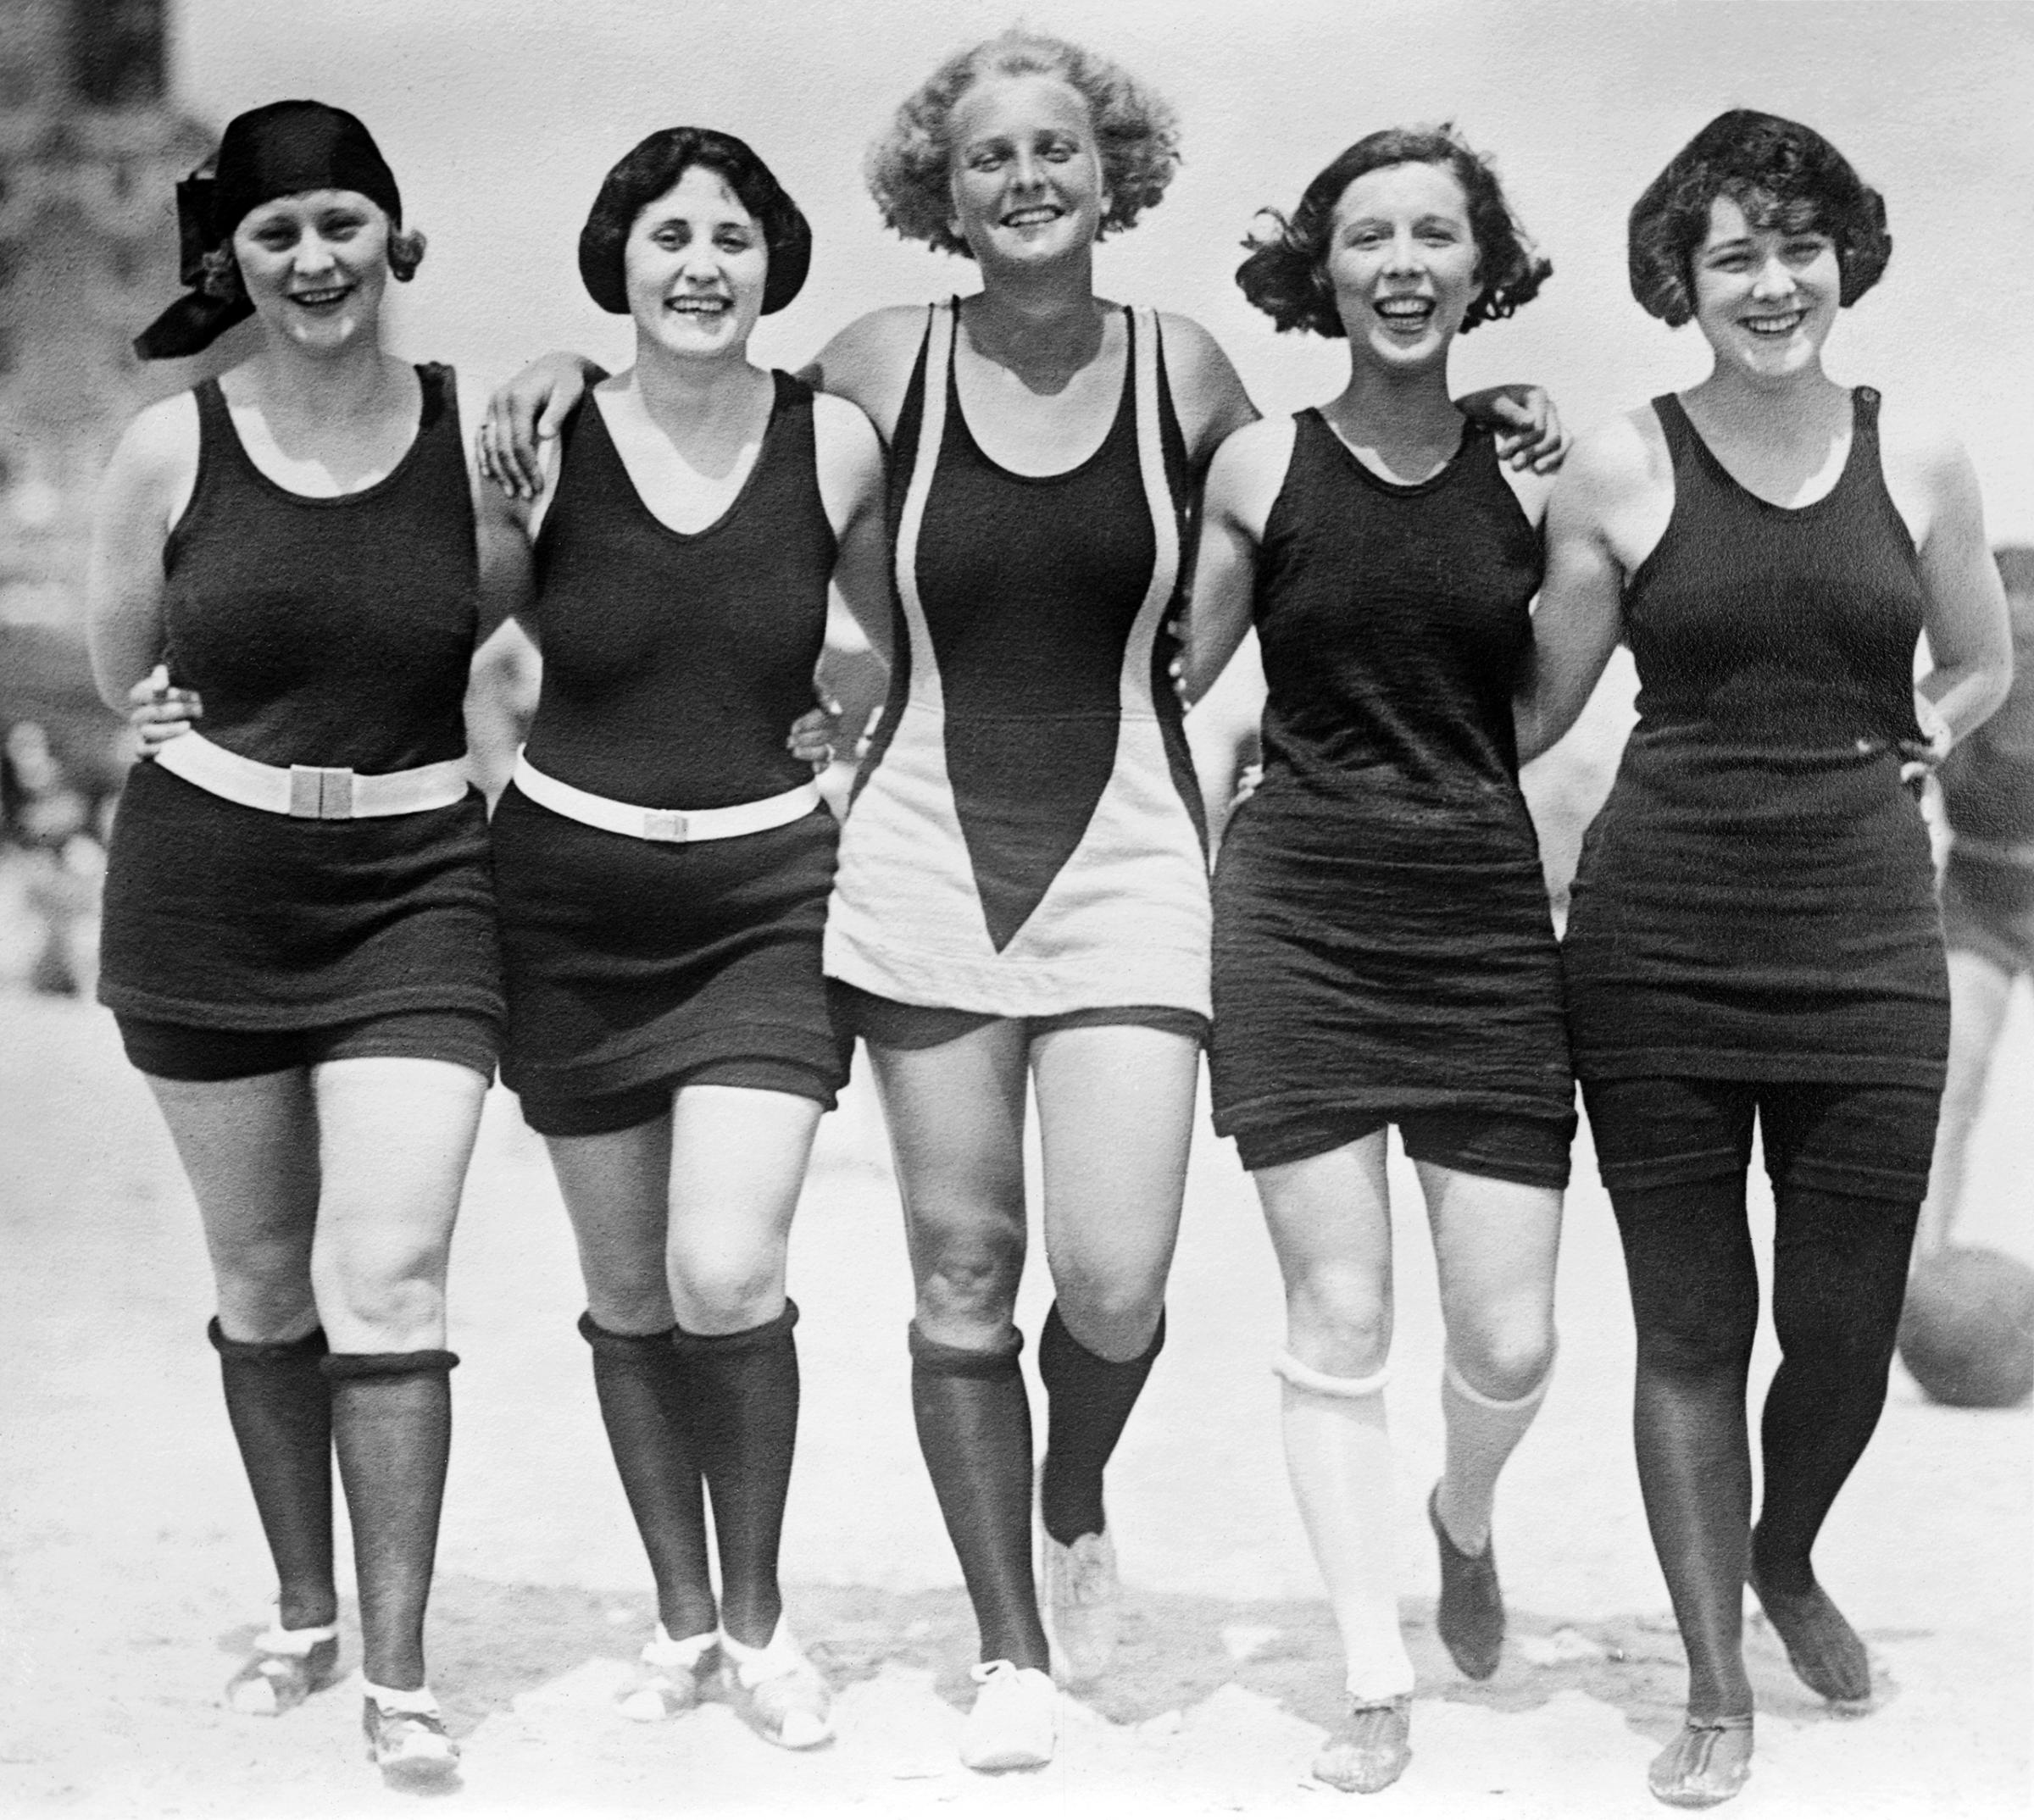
941 324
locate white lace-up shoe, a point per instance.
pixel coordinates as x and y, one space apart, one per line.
1083 1602
1015 1723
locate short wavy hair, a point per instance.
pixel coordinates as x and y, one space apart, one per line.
1287 274
1135 132
653 170
1781 174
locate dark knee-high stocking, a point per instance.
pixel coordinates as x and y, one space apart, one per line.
281 1408
743 1390
642 1406
974 1431
1695 1300
1087 1399
1839 1274
392 1423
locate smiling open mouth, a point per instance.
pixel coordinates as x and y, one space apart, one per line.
320 299
1406 313
1033 217
698 306
1775 326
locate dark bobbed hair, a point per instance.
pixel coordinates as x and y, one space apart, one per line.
1135 132
652 170
1287 274
1781 174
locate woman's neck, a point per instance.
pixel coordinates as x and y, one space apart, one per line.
1406 418
333 389
707 409
1800 408
1043 325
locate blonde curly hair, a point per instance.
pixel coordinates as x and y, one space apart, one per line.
1135 132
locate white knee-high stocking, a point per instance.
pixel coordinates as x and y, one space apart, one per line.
1338 1451
1481 1434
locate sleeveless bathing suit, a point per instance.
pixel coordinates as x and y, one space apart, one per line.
675 663
1382 940
1756 900
1025 840
326 631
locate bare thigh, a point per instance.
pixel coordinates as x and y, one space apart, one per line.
956 1118
1495 1245
395 1134
686 1218
1115 1119
249 1148
1330 1218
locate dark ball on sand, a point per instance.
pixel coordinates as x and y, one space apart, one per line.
1967 1332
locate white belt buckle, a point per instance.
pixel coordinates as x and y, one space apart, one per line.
664 824
321 792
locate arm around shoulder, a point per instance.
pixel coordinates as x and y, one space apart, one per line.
1604 486
146 486
851 487
1244 483
870 361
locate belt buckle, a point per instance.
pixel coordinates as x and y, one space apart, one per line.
321 792
664 824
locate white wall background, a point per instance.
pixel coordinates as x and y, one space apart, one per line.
500 117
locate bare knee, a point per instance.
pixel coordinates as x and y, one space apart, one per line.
967 1286
1113 1317
382 1299
629 1303
1502 1353
728 1294
264 1289
1339 1321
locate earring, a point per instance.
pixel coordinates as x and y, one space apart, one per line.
219 276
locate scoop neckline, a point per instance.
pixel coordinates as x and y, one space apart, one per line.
321 500
1404 488
1714 463
1124 402
740 493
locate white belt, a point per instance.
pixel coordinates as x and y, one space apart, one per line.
316 792
664 824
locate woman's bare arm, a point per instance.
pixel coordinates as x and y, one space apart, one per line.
145 486
1580 617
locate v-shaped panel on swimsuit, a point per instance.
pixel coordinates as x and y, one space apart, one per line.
1025 840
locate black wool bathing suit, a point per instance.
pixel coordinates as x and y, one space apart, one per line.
1756 900
1383 947
675 664
327 632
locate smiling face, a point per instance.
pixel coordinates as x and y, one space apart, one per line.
694 267
1025 171
316 264
1402 259
1765 297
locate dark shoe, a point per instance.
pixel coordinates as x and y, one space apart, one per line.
1368 1750
1470 1617
1706 1763
1822 1648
